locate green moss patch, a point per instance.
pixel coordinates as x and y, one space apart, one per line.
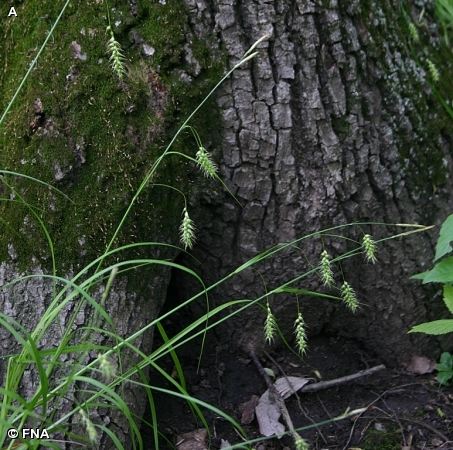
78 127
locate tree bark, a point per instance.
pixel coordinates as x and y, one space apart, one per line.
333 122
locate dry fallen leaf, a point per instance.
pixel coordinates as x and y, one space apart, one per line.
421 365
267 411
248 410
194 440
285 389
267 414
76 51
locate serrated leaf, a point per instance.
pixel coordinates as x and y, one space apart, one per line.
448 297
444 378
442 272
445 237
443 367
436 327
446 358
419 276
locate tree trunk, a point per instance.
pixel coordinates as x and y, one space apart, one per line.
333 122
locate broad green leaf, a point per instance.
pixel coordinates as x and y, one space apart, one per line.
444 378
448 297
443 367
437 327
447 359
419 276
445 237
442 272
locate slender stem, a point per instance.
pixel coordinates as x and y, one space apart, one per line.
33 63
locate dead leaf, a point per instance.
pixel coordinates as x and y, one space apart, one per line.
421 365
224 444
267 411
194 440
248 410
76 51
285 390
267 414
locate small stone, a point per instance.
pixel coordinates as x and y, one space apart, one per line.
148 50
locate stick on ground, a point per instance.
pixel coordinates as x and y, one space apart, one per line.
336 381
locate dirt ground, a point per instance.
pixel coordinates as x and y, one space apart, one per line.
404 411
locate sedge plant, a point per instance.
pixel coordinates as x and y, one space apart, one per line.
91 365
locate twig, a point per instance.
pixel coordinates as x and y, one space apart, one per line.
278 398
388 391
327 384
398 420
280 368
429 427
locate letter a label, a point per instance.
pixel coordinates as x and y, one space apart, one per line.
12 12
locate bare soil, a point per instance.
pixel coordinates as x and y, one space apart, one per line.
405 411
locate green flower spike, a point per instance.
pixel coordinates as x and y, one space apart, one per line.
326 271
348 296
207 165
270 326
116 55
187 231
301 336
369 247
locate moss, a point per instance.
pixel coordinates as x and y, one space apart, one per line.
379 440
96 136
421 152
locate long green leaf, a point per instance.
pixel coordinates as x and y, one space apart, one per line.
445 237
435 328
448 297
442 272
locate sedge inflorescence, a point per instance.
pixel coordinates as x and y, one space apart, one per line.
301 336
207 165
270 326
116 56
89 426
369 247
187 231
326 271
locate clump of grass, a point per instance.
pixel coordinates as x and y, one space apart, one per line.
74 349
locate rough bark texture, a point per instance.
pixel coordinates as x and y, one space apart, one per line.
129 309
76 126
333 122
